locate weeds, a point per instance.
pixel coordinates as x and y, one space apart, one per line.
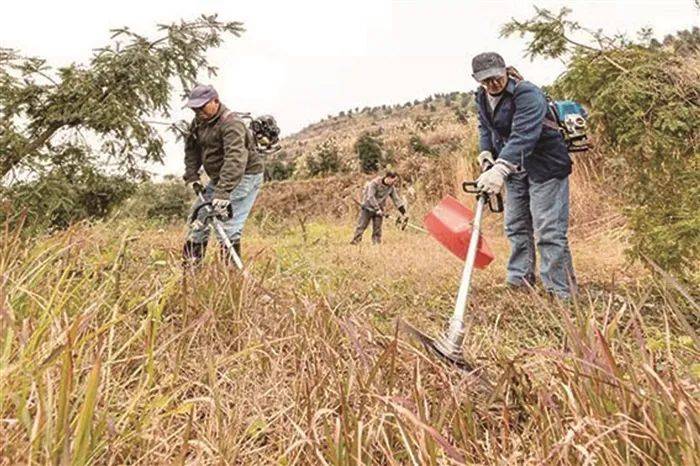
110 357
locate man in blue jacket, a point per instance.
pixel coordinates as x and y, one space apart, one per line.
530 157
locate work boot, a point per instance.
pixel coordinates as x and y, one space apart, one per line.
193 253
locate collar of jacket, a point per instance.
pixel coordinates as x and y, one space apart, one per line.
510 87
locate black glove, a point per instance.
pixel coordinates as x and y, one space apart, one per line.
402 209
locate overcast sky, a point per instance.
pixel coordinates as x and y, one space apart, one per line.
302 60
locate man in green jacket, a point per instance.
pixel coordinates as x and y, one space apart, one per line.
221 143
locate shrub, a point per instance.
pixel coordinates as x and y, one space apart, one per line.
164 202
277 170
424 123
462 116
419 146
62 197
369 151
644 107
325 160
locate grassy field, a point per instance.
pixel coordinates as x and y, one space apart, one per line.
110 355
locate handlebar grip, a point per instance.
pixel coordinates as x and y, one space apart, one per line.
470 187
499 203
195 212
197 188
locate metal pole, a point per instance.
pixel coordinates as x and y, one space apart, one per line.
455 333
219 231
417 228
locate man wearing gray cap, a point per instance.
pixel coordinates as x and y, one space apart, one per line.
520 138
220 142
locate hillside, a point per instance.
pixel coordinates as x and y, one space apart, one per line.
393 125
432 143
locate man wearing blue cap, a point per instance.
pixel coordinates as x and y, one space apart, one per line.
220 142
521 140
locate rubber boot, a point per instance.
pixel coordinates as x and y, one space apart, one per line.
193 253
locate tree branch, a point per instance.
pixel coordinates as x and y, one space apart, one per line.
10 162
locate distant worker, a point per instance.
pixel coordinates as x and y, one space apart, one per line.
372 207
221 143
519 134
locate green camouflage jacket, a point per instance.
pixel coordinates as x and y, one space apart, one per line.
225 147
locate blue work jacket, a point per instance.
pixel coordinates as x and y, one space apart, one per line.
521 131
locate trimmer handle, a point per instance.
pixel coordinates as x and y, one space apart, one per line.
209 209
495 202
198 188
402 222
469 187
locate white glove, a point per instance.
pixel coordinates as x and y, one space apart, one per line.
379 213
485 160
221 206
491 181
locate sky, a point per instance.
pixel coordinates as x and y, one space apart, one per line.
302 60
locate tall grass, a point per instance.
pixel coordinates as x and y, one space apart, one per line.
110 355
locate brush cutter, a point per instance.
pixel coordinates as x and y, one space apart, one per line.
212 219
449 223
402 223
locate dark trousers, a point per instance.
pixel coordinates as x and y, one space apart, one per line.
363 222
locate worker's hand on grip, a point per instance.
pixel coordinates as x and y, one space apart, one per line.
492 180
221 207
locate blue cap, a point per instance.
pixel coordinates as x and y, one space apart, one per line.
200 95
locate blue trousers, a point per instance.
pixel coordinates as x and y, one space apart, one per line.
537 214
242 199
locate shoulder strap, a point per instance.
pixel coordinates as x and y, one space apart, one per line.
227 114
551 119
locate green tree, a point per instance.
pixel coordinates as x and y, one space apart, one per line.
63 196
369 151
278 170
166 201
644 102
112 100
325 160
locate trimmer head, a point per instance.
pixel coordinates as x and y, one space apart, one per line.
442 347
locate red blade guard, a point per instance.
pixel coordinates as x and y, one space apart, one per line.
450 224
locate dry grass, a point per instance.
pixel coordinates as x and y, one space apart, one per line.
111 356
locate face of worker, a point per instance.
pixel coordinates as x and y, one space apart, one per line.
208 110
389 181
495 85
